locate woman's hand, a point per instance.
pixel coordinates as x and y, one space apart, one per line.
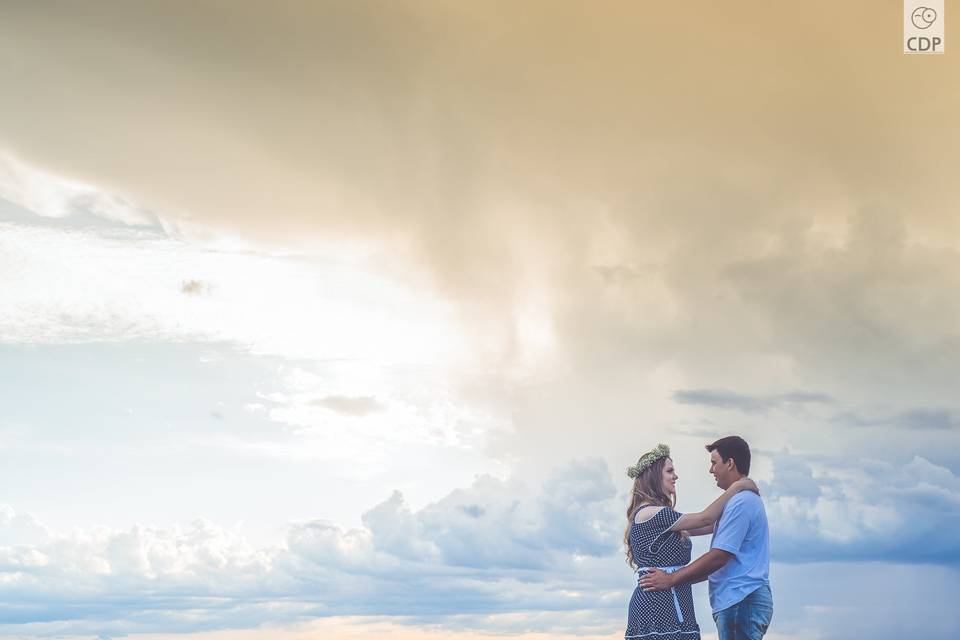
746 484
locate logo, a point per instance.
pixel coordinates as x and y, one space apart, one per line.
923 17
923 30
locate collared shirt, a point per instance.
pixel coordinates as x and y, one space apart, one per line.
741 531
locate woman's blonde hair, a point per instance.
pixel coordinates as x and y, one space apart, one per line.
647 489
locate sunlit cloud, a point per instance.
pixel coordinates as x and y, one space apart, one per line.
347 288
53 196
81 285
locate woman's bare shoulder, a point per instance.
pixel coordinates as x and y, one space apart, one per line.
647 514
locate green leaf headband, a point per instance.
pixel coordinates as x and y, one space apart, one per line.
647 459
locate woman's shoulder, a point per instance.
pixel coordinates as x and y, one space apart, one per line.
655 514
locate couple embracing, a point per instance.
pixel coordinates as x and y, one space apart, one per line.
658 545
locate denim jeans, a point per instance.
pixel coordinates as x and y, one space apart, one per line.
748 619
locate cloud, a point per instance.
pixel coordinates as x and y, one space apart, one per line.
361 628
48 195
517 195
488 526
358 410
420 185
845 508
823 600
916 418
929 418
495 547
722 399
350 405
192 287
19 529
500 180
430 137
793 477
87 285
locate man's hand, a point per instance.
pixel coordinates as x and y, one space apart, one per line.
699 569
656 580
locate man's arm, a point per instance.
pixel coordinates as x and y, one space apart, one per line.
696 571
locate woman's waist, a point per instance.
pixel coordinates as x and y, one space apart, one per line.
660 563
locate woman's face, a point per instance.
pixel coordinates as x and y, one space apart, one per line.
669 479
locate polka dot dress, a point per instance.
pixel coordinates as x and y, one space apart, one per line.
653 615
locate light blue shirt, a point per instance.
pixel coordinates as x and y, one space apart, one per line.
742 531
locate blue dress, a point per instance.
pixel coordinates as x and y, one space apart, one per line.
654 615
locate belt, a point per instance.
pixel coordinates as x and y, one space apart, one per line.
676 600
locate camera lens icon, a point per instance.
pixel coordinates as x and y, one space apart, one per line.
923 17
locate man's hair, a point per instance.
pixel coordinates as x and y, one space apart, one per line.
733 447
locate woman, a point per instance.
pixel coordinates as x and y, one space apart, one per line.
658 536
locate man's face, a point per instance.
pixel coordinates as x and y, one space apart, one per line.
722 472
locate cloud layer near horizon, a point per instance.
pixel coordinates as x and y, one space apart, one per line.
495 547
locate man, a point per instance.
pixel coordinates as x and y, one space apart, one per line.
738 562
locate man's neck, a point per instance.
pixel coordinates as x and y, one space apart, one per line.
736 476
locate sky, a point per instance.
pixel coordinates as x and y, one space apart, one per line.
344 319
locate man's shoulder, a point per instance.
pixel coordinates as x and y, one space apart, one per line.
748 497
745 502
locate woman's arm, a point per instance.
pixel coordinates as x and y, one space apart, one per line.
711 514
702 531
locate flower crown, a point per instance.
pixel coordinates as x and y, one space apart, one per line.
647 459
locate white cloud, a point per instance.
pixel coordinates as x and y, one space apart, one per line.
412 406
490 547
354 332
495 547
20 529
48 195
844 508
64 285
